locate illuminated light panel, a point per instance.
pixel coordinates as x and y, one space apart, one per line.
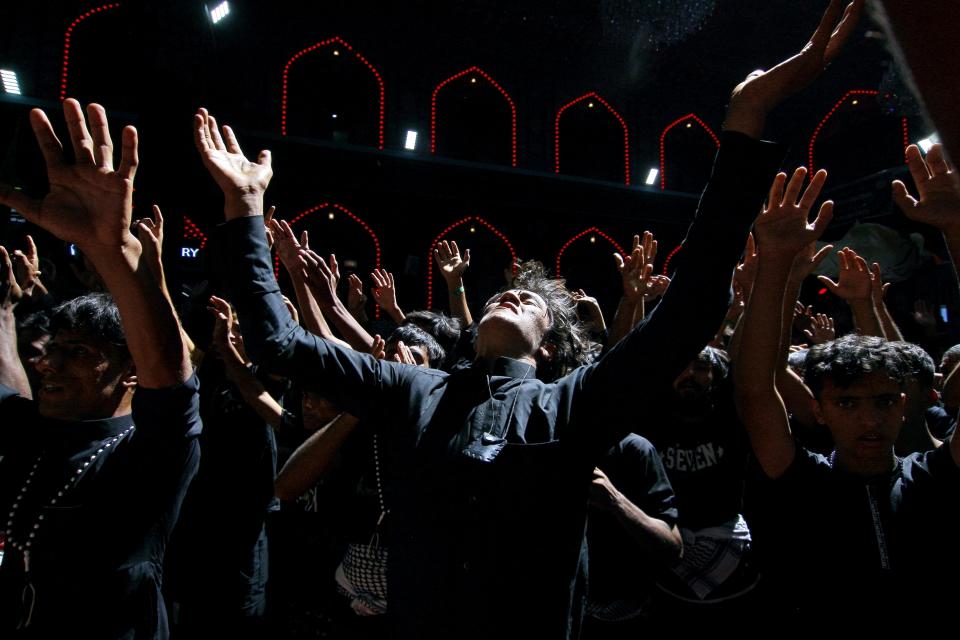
436 241
68 34
219 12
330 205
666 262
324 43
192 232
626 132
592 239
924 144
690 118
480 72
652 176
411 141
816 132
10 82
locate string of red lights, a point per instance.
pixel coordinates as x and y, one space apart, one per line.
623 123
580 235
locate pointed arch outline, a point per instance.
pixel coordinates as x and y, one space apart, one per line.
68 35
436 240
496 85
339 207
826 118
319 45
623 123
663 136
569 242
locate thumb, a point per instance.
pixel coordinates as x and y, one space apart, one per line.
833 286
902 197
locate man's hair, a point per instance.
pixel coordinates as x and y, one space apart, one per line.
847 359
920 364
413 336
568 338
444 329
951 356
718 360
797 360
37 322
94 314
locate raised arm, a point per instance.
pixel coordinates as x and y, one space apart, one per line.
878 290
26 267
938 206
385 294
452 266
11 367
782 232
90 205
855 286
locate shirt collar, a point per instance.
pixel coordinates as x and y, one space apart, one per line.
507 367
69 432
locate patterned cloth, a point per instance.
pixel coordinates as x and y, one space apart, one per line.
712 555
362 577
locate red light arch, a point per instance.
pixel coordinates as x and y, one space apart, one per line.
353 216
626 133
68 34
663 136
496 85
666 262
439 237
580 235
839 103
336 40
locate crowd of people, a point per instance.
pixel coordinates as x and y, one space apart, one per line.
706 460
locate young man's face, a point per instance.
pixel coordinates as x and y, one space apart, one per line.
82 378
515 321
695 382
864 420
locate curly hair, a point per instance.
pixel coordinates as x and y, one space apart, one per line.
845 360
567 338
920 363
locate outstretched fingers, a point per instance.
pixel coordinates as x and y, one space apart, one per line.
129 154
50 145
792 191
102 143
79 136
813 190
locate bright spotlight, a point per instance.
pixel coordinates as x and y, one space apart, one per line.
652 176
926 143
219 12
10 82
411 141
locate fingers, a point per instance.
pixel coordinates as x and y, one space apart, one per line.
918 168
232 145
793 187
102 143
334 267
201 132
821 36
466 258
129 156
29 207
819 256
813 190
619 260
215 134
50 145
265 158
824 216
936 162
775 197
32 253
902 197
751 250
77 128
157 216
305 239
830 284
851 16
268 216
454 249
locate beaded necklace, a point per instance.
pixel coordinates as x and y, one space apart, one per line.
24 546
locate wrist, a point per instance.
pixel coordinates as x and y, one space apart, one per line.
242 204
455 285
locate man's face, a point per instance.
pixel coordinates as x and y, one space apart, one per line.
695 382
864 420
31 346
82 377
515 321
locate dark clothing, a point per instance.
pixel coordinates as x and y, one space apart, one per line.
482 549
706 459
619 570
941 421
97 557
217 566
842 546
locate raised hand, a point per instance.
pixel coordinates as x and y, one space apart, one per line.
591 309
936 180
356 298
404 355
288 248
782 229
385 291
855 281
655 287
10 291
379 347
821 329
761 91
89 203
452 266
243 182
923 315
319 277
878 289
746 271
267 219
637 268
26 266
227 343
